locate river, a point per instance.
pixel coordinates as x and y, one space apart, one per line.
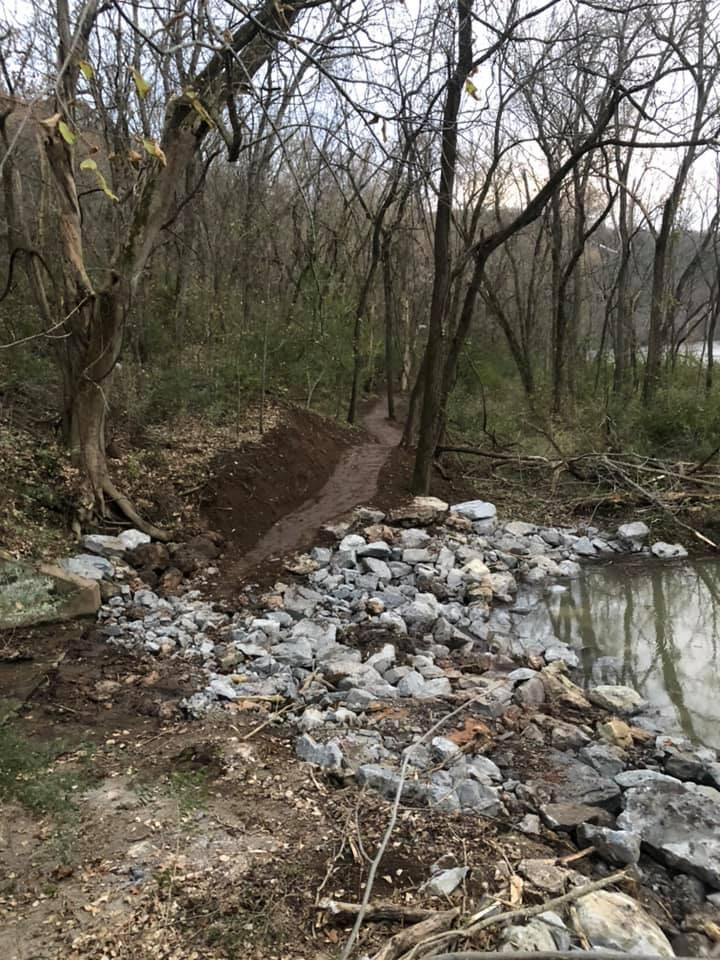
660 624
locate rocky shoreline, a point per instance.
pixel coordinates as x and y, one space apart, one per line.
401 657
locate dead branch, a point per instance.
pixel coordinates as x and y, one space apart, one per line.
524 913
405 940
380 911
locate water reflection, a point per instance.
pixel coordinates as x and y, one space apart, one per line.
660 625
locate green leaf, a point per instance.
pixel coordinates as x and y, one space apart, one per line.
86 69
141 85
66 133
89 164
471 89
155 150
102 183
198 107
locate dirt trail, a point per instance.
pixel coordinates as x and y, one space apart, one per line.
354 481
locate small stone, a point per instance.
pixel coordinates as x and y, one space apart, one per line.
568 816
444 749
421 511
327 755
444 882
668 551
89 566
543 875
616 732
223 689
619 847
479 798
378 550
411 684
583 547
530 825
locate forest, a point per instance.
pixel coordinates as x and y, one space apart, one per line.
359 474
504 214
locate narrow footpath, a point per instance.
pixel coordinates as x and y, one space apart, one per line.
354 481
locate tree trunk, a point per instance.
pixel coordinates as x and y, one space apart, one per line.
389 325
435 349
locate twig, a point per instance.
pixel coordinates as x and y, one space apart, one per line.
379 911
522 914
393 819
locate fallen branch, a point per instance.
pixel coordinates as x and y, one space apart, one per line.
524 913
398 945
380 911
393 819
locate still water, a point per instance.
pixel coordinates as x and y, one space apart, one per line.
660 624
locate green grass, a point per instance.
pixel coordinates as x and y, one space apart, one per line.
31 776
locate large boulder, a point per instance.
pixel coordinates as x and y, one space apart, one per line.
677 824
614 921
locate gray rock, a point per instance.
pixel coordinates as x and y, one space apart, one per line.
531 693
437 687
479 798
518 528
483 769
379 778
411 684
421 613
222 688
583 547
378 550
475 510
103 546
561 651
296 653
568 816
444 749
328 755
635 532
617 699
532 937
413 538
678 825
311 719
580 783
603 757
414 556
530 825
352 542
616 846
133 538
444 882
568 569
668 551
636 778
614 921
379 568
89 565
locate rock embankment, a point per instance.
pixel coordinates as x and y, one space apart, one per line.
403 658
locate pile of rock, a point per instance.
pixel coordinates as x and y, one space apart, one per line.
109 559
429 603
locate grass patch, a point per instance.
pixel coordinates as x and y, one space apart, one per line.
30 775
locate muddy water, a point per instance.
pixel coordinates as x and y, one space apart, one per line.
660 624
